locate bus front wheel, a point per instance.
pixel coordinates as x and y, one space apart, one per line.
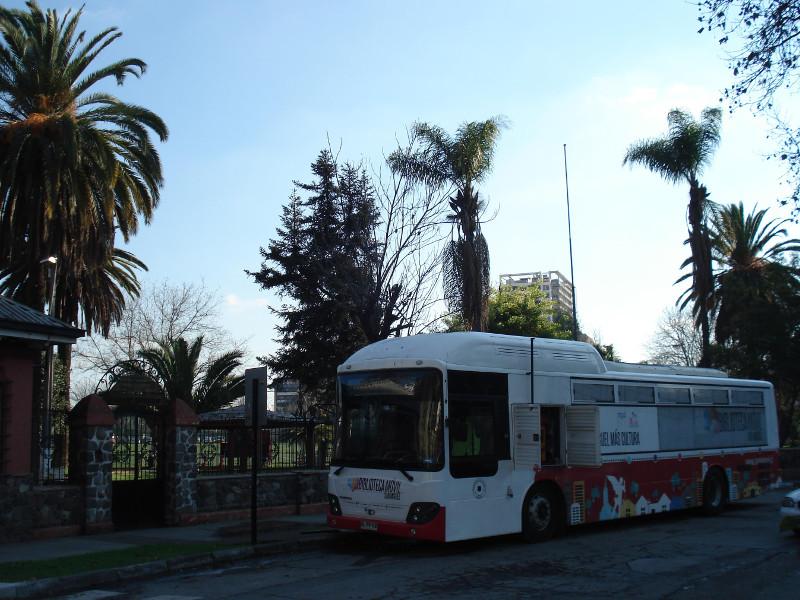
715 495
542 514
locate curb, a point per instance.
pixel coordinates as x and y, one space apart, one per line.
57 586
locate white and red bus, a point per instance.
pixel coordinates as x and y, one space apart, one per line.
449 437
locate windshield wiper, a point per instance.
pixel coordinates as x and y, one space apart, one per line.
338 470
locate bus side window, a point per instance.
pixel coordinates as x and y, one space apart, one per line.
478 422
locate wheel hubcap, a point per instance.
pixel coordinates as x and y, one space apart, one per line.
539 512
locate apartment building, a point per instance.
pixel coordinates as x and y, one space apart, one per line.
553 283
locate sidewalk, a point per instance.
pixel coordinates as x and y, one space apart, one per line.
276 534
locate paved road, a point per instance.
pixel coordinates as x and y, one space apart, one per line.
739 554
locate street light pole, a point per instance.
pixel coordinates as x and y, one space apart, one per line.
46 422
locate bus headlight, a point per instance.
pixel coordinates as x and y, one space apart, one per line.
422 512
333 504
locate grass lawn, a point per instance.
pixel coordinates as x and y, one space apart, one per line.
70 565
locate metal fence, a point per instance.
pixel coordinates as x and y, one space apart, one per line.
135 447
229 448
54 445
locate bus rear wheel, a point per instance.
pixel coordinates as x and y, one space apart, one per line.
715 496
542 514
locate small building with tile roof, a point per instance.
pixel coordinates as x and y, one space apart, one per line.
25 334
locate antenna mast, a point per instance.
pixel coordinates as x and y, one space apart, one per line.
571 267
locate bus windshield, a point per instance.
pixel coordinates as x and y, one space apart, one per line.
392 419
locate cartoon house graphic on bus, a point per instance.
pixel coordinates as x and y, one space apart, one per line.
643 507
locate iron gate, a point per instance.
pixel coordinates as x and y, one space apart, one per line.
138 493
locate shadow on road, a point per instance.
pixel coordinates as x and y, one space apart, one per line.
376 546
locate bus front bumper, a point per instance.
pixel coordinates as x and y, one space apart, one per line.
433 530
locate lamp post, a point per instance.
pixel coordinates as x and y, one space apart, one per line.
46 433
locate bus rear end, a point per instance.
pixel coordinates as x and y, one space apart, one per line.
386 476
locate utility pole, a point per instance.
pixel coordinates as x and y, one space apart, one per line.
571 267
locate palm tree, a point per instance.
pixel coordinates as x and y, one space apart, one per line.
76 165
681 156
93 297
749 252
204 385
460 161
758 320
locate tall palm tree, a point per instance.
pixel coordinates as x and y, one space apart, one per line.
76 165
460 161
749 252
758 308
681 156
93 296
204 385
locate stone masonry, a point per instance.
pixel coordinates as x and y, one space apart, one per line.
180 464
28 509
90 448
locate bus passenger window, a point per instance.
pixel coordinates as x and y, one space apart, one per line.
477 422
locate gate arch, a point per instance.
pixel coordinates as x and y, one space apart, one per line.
137 475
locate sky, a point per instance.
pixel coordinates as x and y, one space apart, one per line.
252 91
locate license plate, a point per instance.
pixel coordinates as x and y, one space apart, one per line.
369 526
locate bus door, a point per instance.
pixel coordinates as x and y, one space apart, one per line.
539 439
479 456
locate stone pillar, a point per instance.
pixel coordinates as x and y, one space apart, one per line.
91 425
180 463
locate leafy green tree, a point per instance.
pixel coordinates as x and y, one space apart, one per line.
758 321
346 262
607 352
77 165
681 156
525 311
202 385
314 263
458 162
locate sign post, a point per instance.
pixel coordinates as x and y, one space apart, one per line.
255 396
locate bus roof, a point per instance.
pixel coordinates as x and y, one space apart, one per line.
621 367
495 351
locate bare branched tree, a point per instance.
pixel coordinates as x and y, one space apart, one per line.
676 340
410 238
163 312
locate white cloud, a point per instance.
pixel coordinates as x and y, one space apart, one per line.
239 304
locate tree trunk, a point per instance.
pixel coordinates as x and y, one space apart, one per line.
474 307
65 356
702 274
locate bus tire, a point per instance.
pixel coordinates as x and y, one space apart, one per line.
715 493
542 514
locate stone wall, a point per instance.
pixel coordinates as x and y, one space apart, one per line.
28 510
180 474
232 492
